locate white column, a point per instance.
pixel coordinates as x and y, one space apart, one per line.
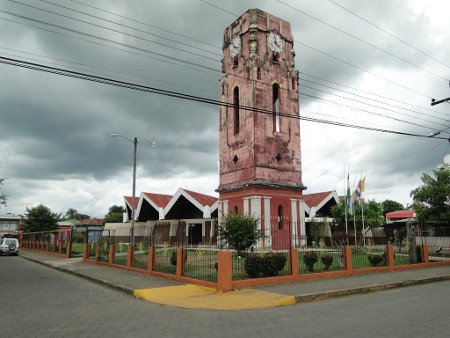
302 207
294 239
225 208
267 225
246 206
203 228
255 206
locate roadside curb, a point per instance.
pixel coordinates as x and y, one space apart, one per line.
366 289
305 298
79 274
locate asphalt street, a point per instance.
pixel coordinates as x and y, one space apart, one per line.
37 301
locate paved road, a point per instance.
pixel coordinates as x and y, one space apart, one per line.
36 301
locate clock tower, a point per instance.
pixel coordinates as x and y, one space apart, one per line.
260 162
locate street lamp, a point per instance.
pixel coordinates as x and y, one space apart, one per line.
135 143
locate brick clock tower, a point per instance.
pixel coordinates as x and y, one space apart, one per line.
260 162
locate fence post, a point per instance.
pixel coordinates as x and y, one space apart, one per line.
85 251
130 251
97 251
111 254
180 261
151 258
59 247
294 262
224 271
348 258
425 253
390 255
68 249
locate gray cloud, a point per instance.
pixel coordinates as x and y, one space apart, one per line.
57 129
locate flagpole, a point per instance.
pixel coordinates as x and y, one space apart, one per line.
347 202
362 188
362 216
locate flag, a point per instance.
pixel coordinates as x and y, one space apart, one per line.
351 203
347 198
360 189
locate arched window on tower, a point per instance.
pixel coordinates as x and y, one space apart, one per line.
276 107
236 109
280 217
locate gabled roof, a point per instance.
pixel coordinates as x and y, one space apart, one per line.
313 200
202 198
91 221
399 214
129 200
160 200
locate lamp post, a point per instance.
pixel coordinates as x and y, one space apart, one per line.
135 143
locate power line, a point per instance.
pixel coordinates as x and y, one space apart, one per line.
105 39
366 111
145 24
180 95
91 35
220 8
374 100
375 106
362 40
363 70
370 93
335 58
117 31
102 69
388 33
133 28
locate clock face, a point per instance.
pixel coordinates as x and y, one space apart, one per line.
275 43
235 46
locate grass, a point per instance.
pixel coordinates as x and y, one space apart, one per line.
319 266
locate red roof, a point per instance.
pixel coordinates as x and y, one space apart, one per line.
400 214
159 199
129 200
201 198
313 200
91 221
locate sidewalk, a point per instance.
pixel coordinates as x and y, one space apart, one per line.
169 292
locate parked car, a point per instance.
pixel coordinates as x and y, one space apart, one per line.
9 246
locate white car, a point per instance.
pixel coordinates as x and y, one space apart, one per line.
9 246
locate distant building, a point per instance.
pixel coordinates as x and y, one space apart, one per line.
9 224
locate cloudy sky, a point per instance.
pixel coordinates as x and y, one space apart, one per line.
55 143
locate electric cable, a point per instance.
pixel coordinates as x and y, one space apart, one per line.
180 95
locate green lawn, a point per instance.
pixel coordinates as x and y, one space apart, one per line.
337 263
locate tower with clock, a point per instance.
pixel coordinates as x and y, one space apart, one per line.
260 162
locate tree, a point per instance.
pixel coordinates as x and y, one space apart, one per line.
373 216
2 196
316 229
40 218
241 231
74 214
114 215
390 205
431 201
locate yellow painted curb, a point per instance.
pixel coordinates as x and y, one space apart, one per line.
200 297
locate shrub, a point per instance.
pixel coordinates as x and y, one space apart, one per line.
268 264
375 260
173 257
326 260
310 259
241 231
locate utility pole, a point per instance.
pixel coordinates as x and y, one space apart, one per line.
434 102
